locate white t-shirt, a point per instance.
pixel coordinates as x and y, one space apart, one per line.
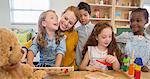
96 54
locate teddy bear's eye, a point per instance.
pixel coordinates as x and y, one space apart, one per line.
10 48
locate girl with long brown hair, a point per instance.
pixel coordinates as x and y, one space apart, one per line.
101 46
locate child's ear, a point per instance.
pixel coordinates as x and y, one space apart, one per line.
44 23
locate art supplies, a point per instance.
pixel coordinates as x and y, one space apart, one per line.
56 70
131 69
131 66
138 64
104 63
125 62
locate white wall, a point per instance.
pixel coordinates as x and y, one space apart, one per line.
4 13
58 5
146 1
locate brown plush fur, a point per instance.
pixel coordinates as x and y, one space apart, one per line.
10 56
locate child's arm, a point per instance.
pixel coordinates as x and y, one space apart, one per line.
60 51
33 50
123 37
114 61
30 57
58 60
85 62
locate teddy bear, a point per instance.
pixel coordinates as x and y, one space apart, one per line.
10 56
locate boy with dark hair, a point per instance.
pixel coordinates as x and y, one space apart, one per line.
84 30
85 6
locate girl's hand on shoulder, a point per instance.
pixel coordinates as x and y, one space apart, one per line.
111 59
91 68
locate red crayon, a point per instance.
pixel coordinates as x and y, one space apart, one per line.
105 63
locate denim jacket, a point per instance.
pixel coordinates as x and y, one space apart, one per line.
48 54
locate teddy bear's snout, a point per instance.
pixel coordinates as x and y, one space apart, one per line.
16 56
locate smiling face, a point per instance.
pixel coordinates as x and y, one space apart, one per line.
67 20
137 22
51 21
84 17
105 37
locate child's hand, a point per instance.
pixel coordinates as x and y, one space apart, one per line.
111 59
114 61
31 64
145 69
91 68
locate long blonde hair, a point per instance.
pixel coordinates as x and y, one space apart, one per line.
42 31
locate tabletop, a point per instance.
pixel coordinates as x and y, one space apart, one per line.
81 75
